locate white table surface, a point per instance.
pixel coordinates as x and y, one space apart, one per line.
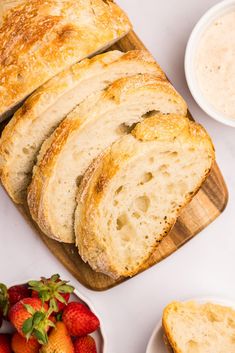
203 267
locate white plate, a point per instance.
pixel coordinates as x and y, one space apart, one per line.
156 343
98 335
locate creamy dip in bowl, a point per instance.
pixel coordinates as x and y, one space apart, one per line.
210 62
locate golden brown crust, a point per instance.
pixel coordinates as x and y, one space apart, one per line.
214 309
101 172
117 92
43 171
89 196
39 39
46 96
167 344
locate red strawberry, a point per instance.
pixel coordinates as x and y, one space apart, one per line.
17 293
5 344
19 344
85 344
53 291
79 320
30 317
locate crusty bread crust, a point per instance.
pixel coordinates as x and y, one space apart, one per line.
116 93
167 331
15 134
209 309
167 344
101 173
39 39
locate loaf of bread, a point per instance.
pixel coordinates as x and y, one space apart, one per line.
100 120
131 196
45 109
39 39
199 328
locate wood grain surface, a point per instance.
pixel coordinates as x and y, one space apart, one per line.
205 207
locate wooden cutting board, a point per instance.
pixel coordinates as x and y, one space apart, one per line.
205 207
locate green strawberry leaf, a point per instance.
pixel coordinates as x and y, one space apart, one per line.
29 308
66 289
60 298
28 326
4 302
59 316
54 278
44 295
53 305
38 317
50 323
41 336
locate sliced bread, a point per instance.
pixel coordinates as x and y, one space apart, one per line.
199 328
46 108
100 120
131 196
39 39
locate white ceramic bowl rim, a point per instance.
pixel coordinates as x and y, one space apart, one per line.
212 14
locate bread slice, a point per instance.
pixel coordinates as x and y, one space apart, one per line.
131 196
199 328
46 108
39 39
100 120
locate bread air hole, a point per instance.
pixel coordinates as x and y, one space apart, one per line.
119 190
125 129
78 180
20 78
163 168
146 178
136 215
150 114
192 346
122 221
142 203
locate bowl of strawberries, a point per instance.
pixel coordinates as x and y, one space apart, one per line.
47 316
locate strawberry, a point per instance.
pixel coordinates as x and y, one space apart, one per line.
17 293
19 344
30 317
53 291
9 297
79 320
59 340
85 344
5 344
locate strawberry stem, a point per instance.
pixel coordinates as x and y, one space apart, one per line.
51 290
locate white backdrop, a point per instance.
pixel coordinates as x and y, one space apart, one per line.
203 267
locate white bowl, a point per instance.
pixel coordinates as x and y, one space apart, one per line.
211 15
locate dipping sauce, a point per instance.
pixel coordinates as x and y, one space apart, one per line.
215 64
